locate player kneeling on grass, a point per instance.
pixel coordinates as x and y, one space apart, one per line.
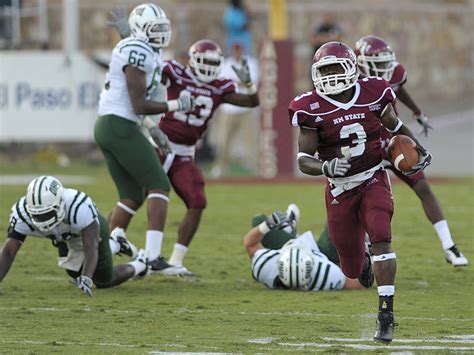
283 260
70 219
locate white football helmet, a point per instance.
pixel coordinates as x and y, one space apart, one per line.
295 265
206 60
45 203
149 23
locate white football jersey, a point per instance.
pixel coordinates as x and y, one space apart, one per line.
114 98
80 212
325 276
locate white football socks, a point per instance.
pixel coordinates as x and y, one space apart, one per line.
154 239
138 266
114 246
179 252
386 290
444 234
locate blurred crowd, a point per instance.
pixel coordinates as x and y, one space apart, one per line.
431 38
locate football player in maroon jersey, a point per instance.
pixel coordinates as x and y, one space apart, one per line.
376 58
341 121
184 129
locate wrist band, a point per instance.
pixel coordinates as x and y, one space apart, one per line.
251 88
263 228
173 105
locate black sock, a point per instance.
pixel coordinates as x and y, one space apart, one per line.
386 303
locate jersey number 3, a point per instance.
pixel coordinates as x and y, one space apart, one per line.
358 149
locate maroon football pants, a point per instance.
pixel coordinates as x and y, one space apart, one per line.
188 182
367 207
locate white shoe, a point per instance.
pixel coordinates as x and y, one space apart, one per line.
142 258
293 212
455 257
126 246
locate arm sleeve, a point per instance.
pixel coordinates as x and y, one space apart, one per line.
229 87
20 223
83 213
12 233
299 116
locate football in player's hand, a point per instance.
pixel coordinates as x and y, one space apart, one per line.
403 153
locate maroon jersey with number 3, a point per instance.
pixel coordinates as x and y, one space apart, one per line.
188 127
343 128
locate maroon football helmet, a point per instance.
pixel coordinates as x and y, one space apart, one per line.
375 57
329 54
206 59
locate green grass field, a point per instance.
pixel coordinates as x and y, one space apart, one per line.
224 310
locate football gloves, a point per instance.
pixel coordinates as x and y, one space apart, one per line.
422 119
83 283
423 162
336 167
186 101
243 72
161 140
277 220
119 20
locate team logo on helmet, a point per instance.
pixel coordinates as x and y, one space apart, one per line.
45 203
295 265
149 23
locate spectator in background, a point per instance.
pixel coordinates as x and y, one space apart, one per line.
327 31
237 23
237 126
6 24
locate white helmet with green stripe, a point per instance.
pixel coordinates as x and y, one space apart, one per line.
295 265
45 203
149 23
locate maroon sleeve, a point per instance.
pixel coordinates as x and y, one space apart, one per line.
399 77
299 113
383 94
228 86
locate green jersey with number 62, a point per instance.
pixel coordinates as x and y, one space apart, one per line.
114 98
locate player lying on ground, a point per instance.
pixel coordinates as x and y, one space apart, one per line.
376 58
283 260
341 122
134 76
69 218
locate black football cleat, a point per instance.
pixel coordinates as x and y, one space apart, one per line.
162 267
385 327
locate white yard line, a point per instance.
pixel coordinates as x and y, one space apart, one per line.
375 347
221 311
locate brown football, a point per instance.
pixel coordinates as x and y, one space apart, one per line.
403 153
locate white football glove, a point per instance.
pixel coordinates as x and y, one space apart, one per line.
423 162
161 140
336 167
83 283
243 72
186 101
119 20
422 119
